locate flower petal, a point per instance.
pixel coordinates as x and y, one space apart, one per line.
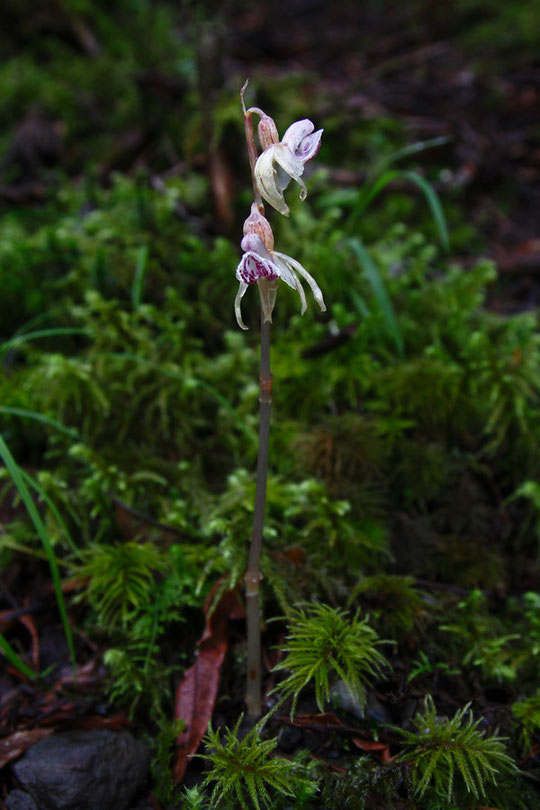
291 165
265 177
282 178
292 263
254 243
237 308
288 161
287 274
297 132
302 295
309 146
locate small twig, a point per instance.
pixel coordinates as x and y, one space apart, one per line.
442 586
395 63
146 518
330 342
9 615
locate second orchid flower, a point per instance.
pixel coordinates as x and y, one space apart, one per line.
263 265
283 161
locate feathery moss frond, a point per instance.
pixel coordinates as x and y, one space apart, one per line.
244 771
451 758
527 713
322 641
121 579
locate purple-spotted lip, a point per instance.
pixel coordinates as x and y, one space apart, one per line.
253 267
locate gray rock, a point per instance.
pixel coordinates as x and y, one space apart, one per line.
19 800
342 698
84 770
289 738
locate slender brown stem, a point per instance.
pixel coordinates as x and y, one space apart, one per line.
253 575
251 148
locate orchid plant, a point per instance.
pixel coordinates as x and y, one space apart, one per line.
278 163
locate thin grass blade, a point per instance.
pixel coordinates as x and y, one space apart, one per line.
39 417
368 194
19 482
434 203
14 659
379 290
16 340
60 520
415 148
138 278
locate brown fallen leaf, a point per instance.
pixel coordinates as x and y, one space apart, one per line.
113 721
325 720
88 676
371 745
221 181
296 555
28 622
17 743
330 765
196 694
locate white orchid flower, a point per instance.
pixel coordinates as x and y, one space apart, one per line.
264 266
281 162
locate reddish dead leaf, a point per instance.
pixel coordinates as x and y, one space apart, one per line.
49 710
523 258
222 184
330 765
28 622
88 676
8 616
325 720
6 619
528 247
196 694
114 721
296 555
534 751
8 697
16 674
17 743
330 721
68 585
127 524
371 745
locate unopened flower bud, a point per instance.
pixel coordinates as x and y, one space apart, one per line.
267 131
258 224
